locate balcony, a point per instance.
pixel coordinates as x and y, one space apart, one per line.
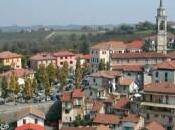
160 105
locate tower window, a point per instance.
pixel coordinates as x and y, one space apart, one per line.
162 25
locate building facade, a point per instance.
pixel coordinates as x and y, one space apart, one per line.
102 51
11 59
159 104
42 59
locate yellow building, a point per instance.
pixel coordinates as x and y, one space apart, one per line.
10 59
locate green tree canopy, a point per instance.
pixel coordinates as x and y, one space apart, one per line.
4 87
78 74
28 90
13 85
51 72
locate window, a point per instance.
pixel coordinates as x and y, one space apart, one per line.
61 63
147 116
129 74
24 121
67 111
71 62
97 60
157 74
166 76
66 57
36 121
61 57
94 80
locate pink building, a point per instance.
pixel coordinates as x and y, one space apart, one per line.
57 58
65 56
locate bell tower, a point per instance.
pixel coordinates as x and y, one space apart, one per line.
161 21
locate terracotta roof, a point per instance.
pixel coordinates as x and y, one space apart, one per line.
154 125
63 53
106 119
30 110
79 128
165 87
86 57
43 56
106 74
121 103
168 65
8 54
77 93
142 55
30 127
172 55
131 118
125 81
97 105
66 97
136 44
128 68
18 72
102 127
110 44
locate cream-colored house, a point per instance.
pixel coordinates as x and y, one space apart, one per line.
159 103
102 51
11 59
104 82
144 58
72 105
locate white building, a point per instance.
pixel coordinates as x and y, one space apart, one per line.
30 118
101 52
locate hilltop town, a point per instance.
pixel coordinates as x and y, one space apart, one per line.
116 85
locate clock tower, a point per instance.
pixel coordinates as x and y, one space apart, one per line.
161 20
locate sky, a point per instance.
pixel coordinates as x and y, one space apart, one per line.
80 12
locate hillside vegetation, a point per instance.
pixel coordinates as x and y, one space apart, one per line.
79 41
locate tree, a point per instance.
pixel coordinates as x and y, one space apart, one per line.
4 86
63 74
28 90
35 86
40 73
13 85
66 68
85 69
51 72
102 65
78 74
47 87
